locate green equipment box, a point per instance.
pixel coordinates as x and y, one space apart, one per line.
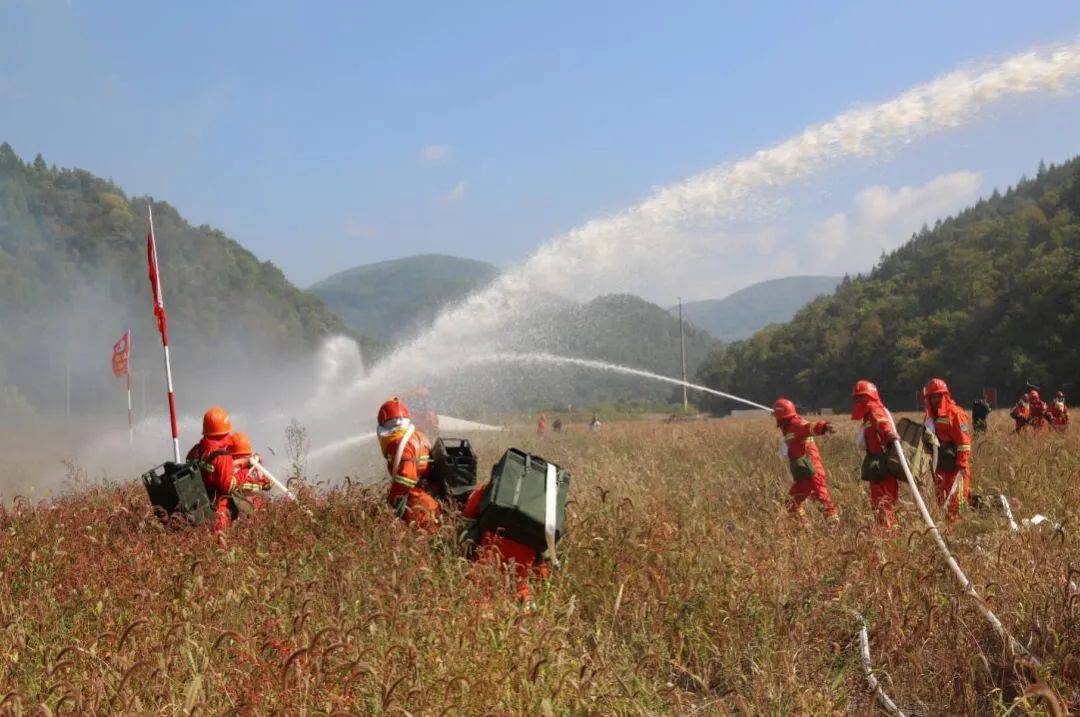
453 470
177 488
518 505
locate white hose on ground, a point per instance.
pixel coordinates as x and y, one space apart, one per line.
277 484
1010 642
871 679
1008 512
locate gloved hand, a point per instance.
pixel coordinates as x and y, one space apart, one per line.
829 428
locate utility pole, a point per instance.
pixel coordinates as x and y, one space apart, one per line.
682 355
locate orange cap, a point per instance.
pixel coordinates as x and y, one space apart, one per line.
216 422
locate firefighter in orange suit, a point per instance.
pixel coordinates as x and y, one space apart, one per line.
212 451
1040 412
408 457
949 422
1059 413
1021 413
798 447
877 436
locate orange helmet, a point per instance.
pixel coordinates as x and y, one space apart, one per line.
393 409
865 388
240 446
783 409
934 387
394 422
216 422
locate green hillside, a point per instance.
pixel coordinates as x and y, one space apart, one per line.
393 299
73 277
743 313
990 297
620 328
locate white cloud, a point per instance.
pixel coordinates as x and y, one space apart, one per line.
436 153
883 219
458 192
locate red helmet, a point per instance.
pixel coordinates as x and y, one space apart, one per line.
216 422
783 409
1033 395
934 387
392 410
865 388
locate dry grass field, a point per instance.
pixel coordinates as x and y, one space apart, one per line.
685 589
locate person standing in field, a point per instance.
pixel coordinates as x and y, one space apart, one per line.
949 422
980 412
1059 413
804 461
876 437
1040 414
541 425
1021 413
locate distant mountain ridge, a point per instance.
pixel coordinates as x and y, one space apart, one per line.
747 311
390 300
393 300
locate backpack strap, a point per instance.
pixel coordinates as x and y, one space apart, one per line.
398 455
206 463
550 516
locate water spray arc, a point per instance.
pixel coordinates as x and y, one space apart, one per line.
550 360
554 360
607 253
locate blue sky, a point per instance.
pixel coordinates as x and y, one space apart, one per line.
322 136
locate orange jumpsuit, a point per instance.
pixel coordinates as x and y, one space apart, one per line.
877 437
217 472
953 429
798 444
495 549
413 504
217 475
1039 413
1059 416
245 486
1021 413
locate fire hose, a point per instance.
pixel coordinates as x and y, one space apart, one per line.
278 484
1010 642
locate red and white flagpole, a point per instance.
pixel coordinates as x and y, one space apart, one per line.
131 418
162 321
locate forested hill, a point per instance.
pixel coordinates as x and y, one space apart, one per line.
990 297
392 300
73 276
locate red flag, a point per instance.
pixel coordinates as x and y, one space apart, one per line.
155 281
120 351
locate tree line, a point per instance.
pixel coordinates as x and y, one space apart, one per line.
988 298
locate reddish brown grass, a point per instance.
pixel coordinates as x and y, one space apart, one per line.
685 589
